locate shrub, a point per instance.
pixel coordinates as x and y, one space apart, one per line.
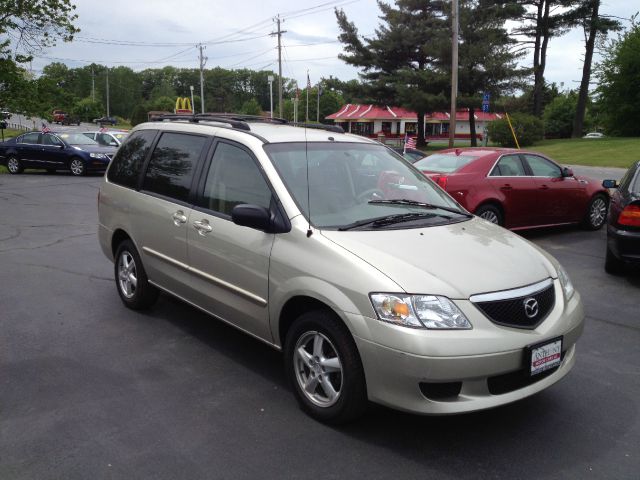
529 129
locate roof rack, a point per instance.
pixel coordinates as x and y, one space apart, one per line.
241 122
319 126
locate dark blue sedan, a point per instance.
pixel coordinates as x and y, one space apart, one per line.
55 151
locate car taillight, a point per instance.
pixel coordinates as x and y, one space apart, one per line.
442 181
630 216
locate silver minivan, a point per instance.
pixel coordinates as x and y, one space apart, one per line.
375 283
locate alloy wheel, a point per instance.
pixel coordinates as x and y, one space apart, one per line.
13 165
490 216
318 369
127 275
598 212
76 167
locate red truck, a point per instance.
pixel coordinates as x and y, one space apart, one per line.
58 116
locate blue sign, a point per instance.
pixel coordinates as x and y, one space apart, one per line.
485 107
485 97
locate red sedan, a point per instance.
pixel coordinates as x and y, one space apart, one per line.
516 188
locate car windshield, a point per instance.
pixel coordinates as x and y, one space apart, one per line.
358 185
444 162
77 139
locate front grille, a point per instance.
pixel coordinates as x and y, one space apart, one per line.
512 312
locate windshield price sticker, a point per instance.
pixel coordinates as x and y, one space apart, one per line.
545 356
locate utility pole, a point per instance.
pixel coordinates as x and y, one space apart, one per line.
193 107
203 60
93 85
318 110
454 71
270 79
108 91
279 34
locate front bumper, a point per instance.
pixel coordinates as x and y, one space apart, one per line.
624 244
483 374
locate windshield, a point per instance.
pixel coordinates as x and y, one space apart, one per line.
77 139
444 162
351 184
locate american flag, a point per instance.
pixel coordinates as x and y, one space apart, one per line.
409 142
308 80
45 129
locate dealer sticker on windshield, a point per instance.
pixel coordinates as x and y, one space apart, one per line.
545 356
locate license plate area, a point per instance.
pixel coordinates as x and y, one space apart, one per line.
544 356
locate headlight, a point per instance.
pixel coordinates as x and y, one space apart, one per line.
98 155
419 311
565 281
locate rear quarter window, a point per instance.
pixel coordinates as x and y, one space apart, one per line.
128 161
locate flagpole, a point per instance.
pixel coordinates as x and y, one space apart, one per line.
308 86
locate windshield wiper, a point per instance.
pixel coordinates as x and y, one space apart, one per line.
413 203
389 220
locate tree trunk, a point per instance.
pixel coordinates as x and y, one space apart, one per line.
420 140
472 127
539 78
536 54
578 121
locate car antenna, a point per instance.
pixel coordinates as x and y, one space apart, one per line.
306 155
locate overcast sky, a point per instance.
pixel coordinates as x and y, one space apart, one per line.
154 33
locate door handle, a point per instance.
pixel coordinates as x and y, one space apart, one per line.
179 218
506 187
544 187
202 226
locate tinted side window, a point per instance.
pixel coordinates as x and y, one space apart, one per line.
31 138
234 179
541 167
48 139
509 166
126 165
172 164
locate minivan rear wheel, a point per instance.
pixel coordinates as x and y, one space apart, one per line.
324 368
131 279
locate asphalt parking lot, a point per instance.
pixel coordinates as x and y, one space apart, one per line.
89 389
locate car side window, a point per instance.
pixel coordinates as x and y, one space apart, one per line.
30 138
172 164
541 167
48 139
127 163
509 166
234 179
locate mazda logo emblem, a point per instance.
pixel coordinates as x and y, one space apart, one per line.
530 307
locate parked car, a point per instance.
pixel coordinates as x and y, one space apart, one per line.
594 135
55 151
70 120
105 120
373 281
623 228
108 138
517 189
58 116
410 154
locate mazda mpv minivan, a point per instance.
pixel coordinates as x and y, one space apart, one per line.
375 284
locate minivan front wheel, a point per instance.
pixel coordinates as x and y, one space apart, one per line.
324 368
131 279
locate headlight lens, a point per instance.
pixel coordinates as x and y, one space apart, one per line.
565 281
97 155
419 311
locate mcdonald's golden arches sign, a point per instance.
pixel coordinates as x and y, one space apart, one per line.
183 105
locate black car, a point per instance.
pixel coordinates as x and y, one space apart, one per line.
105 120
55 151
623 229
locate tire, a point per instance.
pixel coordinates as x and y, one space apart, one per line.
596 214
131 279
77 167
320 353
14 165
490 213
612 264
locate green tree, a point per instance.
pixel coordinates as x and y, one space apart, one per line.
400 62
87 109
251 107
528 129
619 77
559 115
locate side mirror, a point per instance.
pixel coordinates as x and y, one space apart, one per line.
567 172
252 216
610 183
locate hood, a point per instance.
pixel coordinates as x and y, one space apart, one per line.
456 260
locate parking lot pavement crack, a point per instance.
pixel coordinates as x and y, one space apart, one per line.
615 324
56 242
71 272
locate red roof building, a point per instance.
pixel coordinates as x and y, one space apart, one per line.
392 122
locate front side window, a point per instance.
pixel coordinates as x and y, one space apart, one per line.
172 164
509 166
541 167
127 163
342 185
234 179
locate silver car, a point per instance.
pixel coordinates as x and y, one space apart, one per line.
375 284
